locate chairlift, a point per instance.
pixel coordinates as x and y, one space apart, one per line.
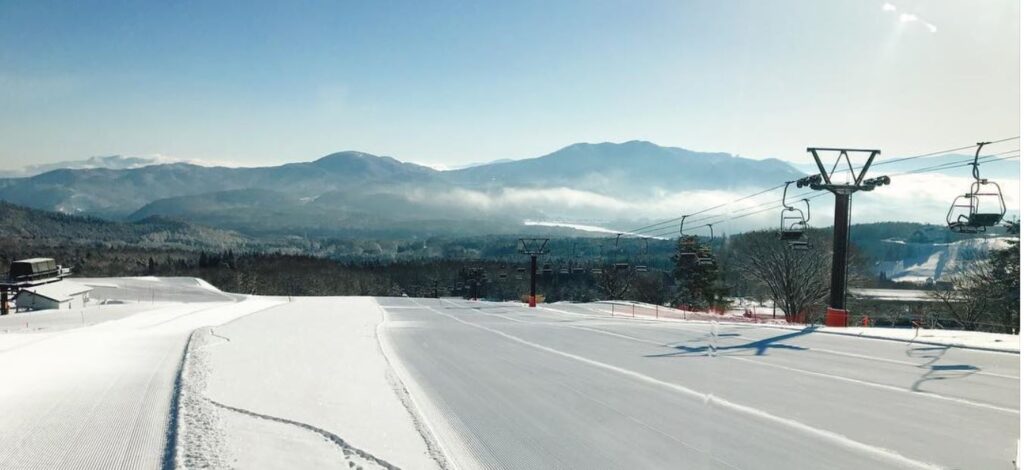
620 264
563 270
642 268
980 208
704 255
687 243
792 220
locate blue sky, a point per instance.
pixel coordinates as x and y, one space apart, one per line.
447 83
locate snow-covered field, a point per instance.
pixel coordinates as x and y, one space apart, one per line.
227 381
266 383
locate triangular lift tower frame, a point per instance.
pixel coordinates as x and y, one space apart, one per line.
836 315
533 247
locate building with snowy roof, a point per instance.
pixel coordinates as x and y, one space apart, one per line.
61 295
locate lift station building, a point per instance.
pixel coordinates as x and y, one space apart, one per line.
61 295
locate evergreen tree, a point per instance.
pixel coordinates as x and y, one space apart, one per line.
698 284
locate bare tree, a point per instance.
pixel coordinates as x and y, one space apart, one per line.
984 292
615 282
796 280
650 288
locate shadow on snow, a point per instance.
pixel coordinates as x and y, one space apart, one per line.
758 347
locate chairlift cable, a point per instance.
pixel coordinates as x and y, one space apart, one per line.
658 226
932 168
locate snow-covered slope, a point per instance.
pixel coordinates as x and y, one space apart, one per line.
302 385
936 260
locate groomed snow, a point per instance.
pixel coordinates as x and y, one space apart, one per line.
953 338
300 384
99 396
957 338
308 375
227 381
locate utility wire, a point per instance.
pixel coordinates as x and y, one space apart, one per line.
676 219
940 152
948 165
658 226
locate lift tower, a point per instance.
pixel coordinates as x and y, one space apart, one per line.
533 247
836 314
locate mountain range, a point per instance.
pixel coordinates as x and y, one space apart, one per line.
356 191
113 162
359 194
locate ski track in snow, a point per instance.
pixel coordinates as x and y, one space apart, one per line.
200 430
349 451
103 395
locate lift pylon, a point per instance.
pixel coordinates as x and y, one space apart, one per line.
836 314
533 247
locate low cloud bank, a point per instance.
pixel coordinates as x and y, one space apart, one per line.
923 198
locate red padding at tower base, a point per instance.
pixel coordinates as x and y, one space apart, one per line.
836 317
533 300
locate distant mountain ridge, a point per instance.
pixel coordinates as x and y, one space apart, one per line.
357 189
629 168
110 162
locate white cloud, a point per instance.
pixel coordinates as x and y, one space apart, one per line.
888 7
921 198
585 228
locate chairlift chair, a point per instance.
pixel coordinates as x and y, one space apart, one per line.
688 244
793 220
620 263
980 208
704 255
642 267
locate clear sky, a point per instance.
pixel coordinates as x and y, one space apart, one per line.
447 83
